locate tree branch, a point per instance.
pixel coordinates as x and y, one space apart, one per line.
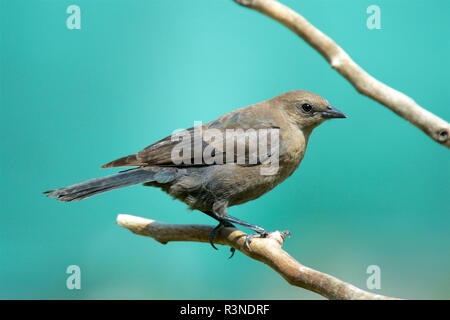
267 250
364 83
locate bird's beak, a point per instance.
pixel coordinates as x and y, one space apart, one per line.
332 113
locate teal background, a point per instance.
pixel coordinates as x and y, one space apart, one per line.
371 190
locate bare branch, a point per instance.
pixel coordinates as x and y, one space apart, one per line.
364 83
267 250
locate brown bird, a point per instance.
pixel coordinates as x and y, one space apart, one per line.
211 172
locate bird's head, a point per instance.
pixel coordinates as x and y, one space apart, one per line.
306 109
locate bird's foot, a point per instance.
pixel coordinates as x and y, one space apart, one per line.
213 233
248 239
232 250
227 221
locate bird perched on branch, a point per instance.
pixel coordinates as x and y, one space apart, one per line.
226 162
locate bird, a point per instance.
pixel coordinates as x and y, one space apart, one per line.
210 172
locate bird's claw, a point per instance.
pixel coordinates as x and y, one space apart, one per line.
232 250
285 233
249 238
213 233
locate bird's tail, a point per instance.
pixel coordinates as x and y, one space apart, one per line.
91 187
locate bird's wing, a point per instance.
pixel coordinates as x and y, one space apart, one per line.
205 145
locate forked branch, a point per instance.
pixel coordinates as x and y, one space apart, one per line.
267 250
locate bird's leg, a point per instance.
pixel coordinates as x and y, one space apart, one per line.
247 225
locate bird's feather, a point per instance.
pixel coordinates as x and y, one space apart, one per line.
161 152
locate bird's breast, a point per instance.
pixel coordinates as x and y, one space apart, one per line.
292 149
250 183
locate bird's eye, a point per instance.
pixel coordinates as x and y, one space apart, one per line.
306 107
